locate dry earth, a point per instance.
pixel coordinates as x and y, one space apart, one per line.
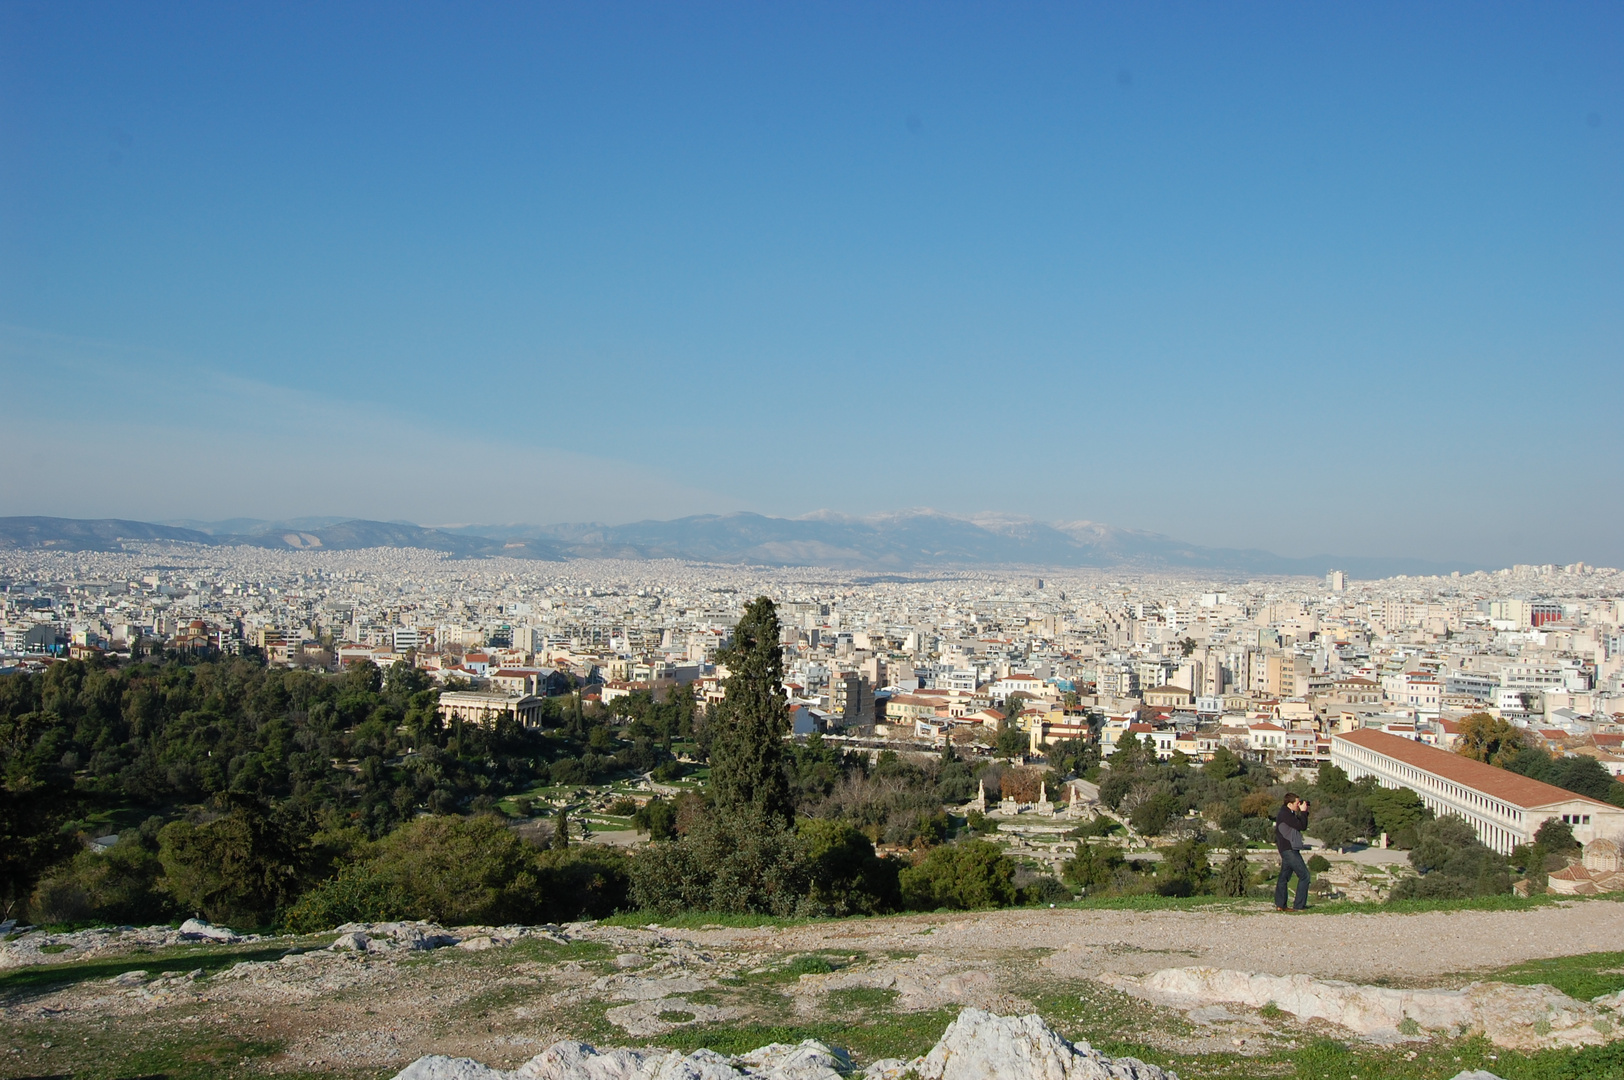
501 998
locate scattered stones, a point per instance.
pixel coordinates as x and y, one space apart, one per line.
976 1046
1522 1017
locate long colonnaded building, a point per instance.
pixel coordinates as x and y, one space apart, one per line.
1505 808
485 708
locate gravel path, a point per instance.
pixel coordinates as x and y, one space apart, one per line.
1359 947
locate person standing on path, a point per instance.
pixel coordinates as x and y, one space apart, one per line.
1288 840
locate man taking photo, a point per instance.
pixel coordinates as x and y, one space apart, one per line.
1288 840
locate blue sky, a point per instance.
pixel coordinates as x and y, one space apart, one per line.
1302 277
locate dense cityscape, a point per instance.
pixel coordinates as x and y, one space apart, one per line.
1277 664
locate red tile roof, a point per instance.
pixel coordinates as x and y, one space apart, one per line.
1514 788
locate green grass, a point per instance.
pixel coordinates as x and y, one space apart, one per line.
99 1052
23 982
903 1035
1584 977
859 999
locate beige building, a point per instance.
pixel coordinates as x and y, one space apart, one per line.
473 707
1504 807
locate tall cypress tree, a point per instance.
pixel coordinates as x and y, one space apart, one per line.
747 756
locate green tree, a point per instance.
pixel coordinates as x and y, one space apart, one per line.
1335 831
1395 809
1332 782
1235 876
1093 867
1450 861
1483 737
1151 817
1184 869
847 877
240 868
455 870
970 874
746 862
658 818
747 754
1223 764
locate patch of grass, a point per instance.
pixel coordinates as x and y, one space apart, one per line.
859 999
23 982
54 950
98 1053
808 965
675 1016
903 1035
1587 976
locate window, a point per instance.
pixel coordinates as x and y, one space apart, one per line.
1586 821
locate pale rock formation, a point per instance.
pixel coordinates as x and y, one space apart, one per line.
981 1046
199 930
1522 1017
976 1046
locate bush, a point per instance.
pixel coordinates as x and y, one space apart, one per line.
356 894
980 823
587 881
1044 889
1452 862
623 807
1235 876
1151 817
1318 863
969 874
847 877
1184 869
115 886
740 863
455 870
656 817
238 869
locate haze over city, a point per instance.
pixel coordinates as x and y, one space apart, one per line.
1305 280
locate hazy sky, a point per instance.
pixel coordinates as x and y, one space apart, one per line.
1301 277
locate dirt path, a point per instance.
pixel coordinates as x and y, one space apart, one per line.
1353 946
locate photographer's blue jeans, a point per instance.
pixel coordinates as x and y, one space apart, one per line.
1291 862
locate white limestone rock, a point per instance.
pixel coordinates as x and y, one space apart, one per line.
976 1046
1520 1017
439 1067
354 941
1474 1074
981 1046
200 930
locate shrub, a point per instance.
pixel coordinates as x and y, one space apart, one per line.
743 863
969 874
846 876
1318 863
623 807
237 869
1452 862
658 818
587 881
1044 889
456 870
1151 817
1235 876
115 886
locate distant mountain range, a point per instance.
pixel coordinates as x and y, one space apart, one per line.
908 541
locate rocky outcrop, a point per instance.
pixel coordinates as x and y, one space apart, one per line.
1521 1017
981 1046
976 1046
40 947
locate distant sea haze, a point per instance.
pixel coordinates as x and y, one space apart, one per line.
912 540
